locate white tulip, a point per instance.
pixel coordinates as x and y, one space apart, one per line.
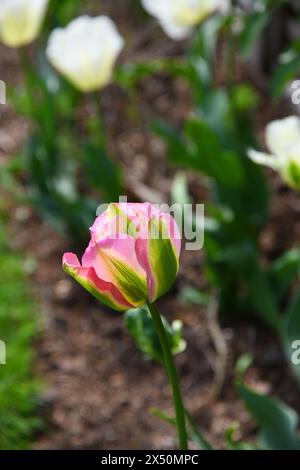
179 17
21 20
85 51
283 141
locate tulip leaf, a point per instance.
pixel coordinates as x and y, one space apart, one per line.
263 299
192 295
253 26
193 432
140 324
284 271
232 443
285 72
208 155
278 422
178 152
206 37
102 172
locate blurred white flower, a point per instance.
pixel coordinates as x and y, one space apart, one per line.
85 51
283 142
21 20
179 17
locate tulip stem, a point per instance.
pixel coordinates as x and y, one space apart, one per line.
27 72
172 374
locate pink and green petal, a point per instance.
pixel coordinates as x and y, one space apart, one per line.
104 291
173 231
115 261
159 257
114 221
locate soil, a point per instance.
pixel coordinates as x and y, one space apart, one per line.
98 389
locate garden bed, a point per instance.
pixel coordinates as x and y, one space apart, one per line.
97 388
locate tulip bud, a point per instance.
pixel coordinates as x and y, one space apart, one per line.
283 142
132 257
85 51
20 21
179 17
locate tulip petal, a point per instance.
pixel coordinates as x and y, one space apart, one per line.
115 261
115 220
174 30
20 21
104 291
282 135
261 158
179 17
159 256
85 51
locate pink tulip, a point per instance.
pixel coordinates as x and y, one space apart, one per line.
132 257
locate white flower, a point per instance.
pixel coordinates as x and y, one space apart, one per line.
283 142
179 17
20 21
85 51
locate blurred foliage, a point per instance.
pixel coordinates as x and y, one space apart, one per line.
286 70
214 141
19 327
140 324
62 165
278 423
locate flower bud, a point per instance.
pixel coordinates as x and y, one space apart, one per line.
85 51
20 21
132 257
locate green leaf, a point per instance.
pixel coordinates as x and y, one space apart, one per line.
263 299
103 172
208 156
140 324
195 435
232 443
206 37
178 153
242 364
244 97
278 423
285 72
192 295
284 271
253 25
192 431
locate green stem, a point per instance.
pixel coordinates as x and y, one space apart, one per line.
99 131
27 75
41 107
172 374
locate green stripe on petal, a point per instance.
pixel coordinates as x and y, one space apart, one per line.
104 297
162 258
127 223
132 286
